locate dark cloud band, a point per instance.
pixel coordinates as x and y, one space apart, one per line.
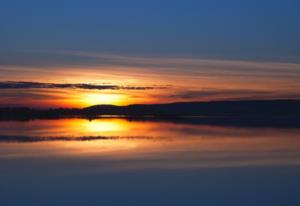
40 85
30 139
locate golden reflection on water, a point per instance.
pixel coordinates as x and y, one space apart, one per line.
97 126
146 144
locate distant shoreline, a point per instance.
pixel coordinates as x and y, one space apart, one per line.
277 113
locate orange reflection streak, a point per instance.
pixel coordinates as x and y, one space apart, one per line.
75 127
96 127
163 144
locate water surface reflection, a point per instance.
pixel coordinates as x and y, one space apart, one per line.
113 161
123 144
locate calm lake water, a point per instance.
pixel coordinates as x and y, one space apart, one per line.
120 162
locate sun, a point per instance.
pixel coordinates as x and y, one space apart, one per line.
114 99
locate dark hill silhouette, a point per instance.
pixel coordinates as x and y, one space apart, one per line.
218 108
277 112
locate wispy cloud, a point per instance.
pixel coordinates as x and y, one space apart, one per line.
200 66
232 94
190 94
43 85
140 78
30 139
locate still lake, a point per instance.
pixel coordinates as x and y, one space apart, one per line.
115 161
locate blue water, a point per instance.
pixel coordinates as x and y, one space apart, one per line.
186 165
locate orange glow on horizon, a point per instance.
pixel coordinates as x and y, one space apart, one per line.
186 80
94 99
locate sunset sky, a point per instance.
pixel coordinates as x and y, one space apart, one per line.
82 53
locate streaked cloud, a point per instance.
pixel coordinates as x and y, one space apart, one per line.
30 139
77 59
42 85
232 94
72 77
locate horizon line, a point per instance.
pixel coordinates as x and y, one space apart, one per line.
164 103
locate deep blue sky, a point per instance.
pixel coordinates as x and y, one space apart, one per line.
235 29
